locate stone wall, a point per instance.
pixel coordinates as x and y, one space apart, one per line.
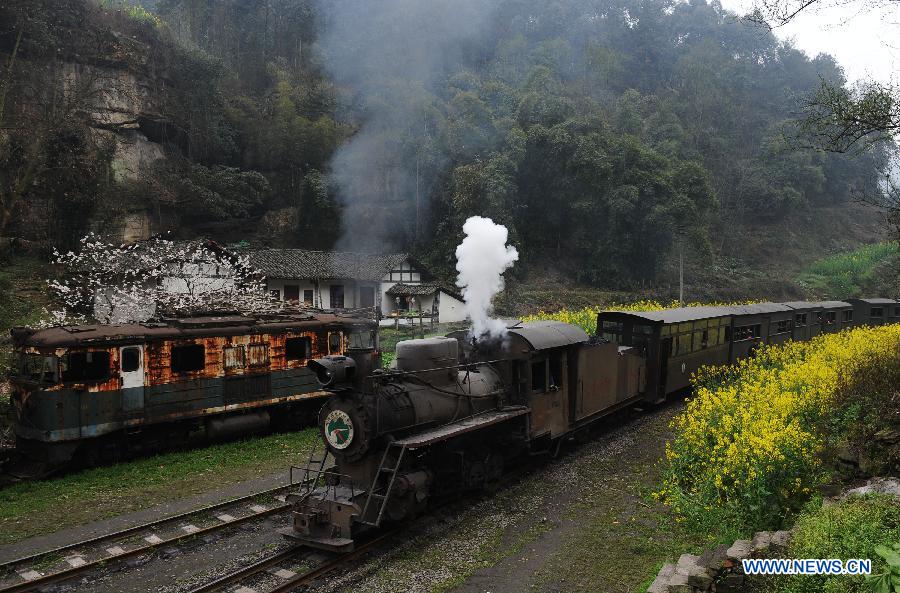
718 570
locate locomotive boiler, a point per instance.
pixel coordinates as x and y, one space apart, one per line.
449 418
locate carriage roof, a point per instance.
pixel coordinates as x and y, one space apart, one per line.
182 328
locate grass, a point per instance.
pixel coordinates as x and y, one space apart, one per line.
851 528
37 508
845 275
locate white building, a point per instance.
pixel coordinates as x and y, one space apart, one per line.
342 280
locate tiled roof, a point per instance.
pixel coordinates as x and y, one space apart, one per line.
425 288
303 263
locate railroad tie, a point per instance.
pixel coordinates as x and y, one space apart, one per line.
188 528
115 551
282 573
244 590
153 539
225 517
30 575
281 497
258 508
76 561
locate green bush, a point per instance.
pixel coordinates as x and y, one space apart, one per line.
849 529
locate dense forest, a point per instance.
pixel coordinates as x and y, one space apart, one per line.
608 136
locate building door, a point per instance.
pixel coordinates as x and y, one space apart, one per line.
292 292
131 369
366 296
337 296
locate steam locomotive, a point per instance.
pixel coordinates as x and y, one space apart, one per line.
455 412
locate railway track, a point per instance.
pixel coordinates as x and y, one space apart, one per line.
35 571
271 575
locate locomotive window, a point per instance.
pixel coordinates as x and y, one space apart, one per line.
191 357
334 343
234 357
298 348
612 331
258 355
131 360
539 376
362 340
555 371
86 366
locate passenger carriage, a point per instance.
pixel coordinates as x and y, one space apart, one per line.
105 390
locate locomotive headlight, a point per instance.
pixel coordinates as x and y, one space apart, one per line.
338 429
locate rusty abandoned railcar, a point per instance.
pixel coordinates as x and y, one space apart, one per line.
104 391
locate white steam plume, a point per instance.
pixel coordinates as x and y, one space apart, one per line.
481 259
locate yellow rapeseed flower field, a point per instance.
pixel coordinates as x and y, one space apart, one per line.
748 447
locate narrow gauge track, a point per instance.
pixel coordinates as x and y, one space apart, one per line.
24 574
287 580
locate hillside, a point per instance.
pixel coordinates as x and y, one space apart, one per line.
609 138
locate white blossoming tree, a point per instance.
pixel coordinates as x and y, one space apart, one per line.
156 278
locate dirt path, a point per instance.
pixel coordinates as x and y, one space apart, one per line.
583 523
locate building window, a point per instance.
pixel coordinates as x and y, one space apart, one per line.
131 359
234 357
85 366
258 355
308 296
337 296
292 292
298 348
188 358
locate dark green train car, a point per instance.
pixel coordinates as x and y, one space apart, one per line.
104 391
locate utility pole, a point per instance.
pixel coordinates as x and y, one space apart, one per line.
417 196
681 273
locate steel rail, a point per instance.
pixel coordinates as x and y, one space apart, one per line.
295 581
137 528
30 585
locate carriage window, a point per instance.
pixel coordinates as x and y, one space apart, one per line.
258 355
877 312
38 367
782 327
800 319
234 357
539 376
845 316
334 343
191 357
612 331
682 344
131 359
831 316
699 340
86 366
298 348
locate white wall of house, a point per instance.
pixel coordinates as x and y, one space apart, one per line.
321 291
450 309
